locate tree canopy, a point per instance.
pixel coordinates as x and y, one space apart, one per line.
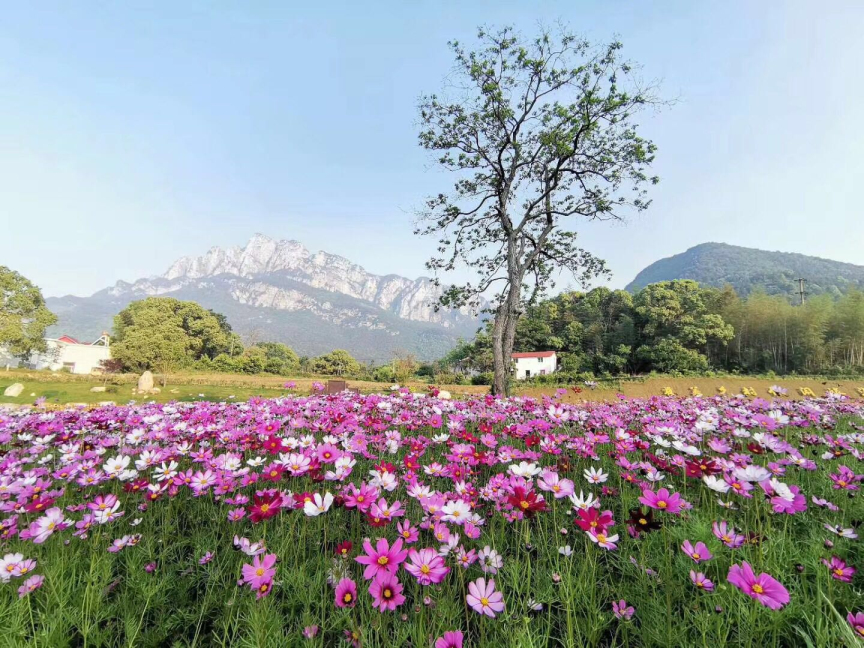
680 326
163 333
23 314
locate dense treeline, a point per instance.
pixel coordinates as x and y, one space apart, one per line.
680 326
167 335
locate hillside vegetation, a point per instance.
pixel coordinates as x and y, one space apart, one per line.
748 270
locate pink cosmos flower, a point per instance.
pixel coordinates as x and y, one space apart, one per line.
386 591
857 622
260 571
699 553
839 569
31 585
763 587
483 598
346 593
381 558
622 610
699 580
381 509
663 500
452 639
409 533
426 566
551 482
602 540
727 535
310 632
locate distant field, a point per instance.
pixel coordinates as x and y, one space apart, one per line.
65 388
654 386
59 388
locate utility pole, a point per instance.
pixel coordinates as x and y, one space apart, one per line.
801 292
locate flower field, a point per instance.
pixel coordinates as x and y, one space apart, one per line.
404 520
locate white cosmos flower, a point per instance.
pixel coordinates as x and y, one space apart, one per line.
595 476
752 473
525 469
456 511
716 484
565 551
318 505
115 465
782 490
583 503
164 471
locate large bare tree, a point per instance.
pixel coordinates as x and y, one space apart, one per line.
540 135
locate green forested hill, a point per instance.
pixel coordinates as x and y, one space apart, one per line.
746 269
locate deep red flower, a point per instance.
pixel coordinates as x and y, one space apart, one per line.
702 468
526 501
265 506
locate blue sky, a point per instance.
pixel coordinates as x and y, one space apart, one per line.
132 134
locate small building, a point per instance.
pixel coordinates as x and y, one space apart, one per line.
534 363
67 353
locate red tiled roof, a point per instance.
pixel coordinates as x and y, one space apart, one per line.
68 339
533 354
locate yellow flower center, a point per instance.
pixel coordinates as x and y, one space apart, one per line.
661 504
643 521
347 598
265 508
383 560
425 569
388 593
259 572
484 601
838 572
695 556
758 588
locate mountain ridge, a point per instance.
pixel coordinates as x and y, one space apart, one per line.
746 269
340 304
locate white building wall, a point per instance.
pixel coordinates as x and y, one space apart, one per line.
530 367
77 358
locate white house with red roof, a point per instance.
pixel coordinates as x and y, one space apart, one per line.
67 353
534 363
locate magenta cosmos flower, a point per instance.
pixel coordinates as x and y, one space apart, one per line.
452 639
622 610
699 553
662 500
701 581
765 589
387 592
857 623
839 569
427 566
483 598
381 558
346 593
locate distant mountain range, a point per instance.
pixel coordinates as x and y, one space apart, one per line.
279 291
746 269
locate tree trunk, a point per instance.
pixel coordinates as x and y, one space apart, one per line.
503 337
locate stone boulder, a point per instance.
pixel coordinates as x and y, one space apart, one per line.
14 390
444 395
98 389
145 382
